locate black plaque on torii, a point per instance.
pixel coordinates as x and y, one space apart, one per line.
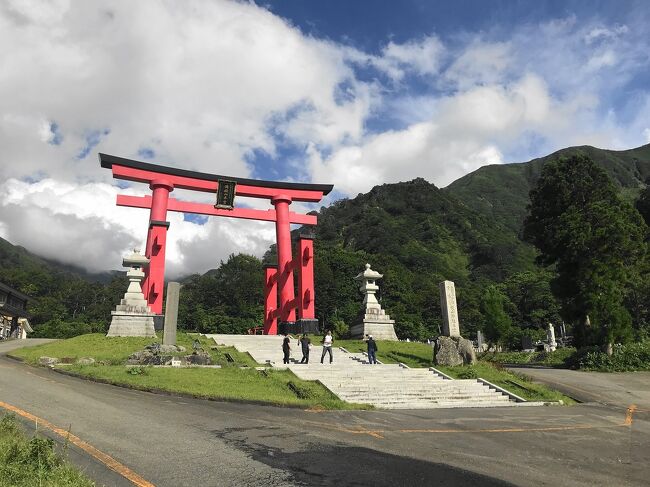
226 194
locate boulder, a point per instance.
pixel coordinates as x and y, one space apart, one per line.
160 360
49 361
199 358
140 358
171 349
453 351
86 361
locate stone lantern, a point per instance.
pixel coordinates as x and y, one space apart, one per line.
133 316
373 320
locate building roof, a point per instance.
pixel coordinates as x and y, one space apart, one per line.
14 292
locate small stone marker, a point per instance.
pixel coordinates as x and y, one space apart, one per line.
176 362
479 340
171 313
550 337
450 327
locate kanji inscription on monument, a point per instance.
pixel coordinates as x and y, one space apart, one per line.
450 327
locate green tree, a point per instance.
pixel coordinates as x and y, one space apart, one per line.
497 324
643 203
595 241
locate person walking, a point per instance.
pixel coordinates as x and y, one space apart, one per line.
286 348
327 346
305 343
372 350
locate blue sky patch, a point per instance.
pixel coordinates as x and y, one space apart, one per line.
93 138
195 218
57 136
146 153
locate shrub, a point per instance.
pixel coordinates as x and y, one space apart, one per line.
634 356
340 329
468 373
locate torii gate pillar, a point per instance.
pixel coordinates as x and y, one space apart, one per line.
163 180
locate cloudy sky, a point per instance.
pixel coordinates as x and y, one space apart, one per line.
353 93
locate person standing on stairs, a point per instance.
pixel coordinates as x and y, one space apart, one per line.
372 350
327 346
305 344
286 348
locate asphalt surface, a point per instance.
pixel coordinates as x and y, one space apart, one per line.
615 389
173 441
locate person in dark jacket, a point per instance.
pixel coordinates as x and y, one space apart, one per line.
286 348
305 343
372 350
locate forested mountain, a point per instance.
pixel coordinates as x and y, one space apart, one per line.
469 232
412 232
65 302
500 192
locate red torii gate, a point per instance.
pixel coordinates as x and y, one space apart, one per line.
278 279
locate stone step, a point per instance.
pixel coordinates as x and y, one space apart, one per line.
443 405
388 386
419 392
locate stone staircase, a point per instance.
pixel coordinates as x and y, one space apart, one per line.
388 386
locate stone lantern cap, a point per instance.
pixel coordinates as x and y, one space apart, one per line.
136 259
368 274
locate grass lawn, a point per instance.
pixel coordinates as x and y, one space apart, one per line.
413 354
276 387
32 462
549 359
515 383
115 350
228 383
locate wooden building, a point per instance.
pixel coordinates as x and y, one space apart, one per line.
14 318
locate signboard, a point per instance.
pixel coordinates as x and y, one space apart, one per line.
225 195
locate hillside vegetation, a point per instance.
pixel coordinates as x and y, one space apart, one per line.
412 232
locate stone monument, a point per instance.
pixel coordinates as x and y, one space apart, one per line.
450 348
551 344
373 320
450 326
132 317
171 313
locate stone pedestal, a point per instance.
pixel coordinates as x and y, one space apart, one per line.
304 325
373 320
133 317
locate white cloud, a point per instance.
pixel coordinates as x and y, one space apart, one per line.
481 63
200 83
422 57
466 131
204 84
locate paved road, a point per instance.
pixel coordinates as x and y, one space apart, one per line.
174 441
616 389
9 345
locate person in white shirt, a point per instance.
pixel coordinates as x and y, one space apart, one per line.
327 346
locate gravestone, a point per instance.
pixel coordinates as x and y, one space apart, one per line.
551 344
450 325
480 341
527 343
171 313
